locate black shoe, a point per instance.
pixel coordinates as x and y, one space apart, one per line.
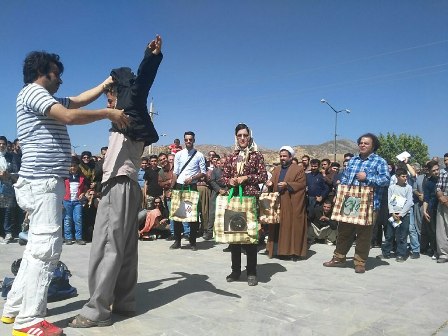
252 280
400 259
284 257
80 242
175 246
382 256
193 247
234 276
207 236
415 255
69 242
124 313
170 238
227 249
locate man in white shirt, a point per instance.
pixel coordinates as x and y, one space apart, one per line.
189 167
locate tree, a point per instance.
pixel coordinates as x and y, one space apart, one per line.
392 145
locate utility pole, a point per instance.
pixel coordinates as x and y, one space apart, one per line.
151 115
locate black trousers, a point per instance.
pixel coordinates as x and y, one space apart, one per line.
428 233
178 227
251 253
380 225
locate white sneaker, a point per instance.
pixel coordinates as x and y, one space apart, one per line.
8 237
434 257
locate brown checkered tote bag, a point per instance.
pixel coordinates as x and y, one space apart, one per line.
236 219
269 207
354 205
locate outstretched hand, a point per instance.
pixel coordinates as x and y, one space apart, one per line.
109 80
156 45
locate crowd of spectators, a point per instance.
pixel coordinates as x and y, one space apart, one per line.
420 233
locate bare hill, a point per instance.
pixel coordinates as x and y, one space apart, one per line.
325 150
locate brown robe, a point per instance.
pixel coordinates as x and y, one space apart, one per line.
291 233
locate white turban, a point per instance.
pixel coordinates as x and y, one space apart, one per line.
289 149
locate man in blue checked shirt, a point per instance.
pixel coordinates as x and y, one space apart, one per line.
366 169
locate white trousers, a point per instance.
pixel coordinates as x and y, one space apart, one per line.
42 198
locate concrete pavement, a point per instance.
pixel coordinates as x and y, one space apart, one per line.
181 292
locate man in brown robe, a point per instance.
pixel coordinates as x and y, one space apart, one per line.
289 238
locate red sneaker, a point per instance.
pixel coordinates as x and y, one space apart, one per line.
43 328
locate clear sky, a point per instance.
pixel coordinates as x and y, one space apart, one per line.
265 63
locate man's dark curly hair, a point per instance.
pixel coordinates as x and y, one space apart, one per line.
375 140
38 63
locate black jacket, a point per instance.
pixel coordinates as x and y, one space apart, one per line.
14 161
132 95
317 213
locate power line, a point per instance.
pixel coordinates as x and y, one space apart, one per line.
364 58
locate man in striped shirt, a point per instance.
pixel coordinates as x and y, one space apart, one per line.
42 132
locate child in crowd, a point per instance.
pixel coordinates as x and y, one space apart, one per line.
400 202
75 187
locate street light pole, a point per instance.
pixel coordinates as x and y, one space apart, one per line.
74 149
323 101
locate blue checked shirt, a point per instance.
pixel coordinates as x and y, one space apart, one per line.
442 182
377 173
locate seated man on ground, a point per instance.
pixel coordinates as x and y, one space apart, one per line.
321 226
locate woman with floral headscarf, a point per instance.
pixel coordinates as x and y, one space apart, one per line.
246 168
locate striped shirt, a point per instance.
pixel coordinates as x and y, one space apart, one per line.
377 175
45 142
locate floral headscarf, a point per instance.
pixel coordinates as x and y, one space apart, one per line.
243 153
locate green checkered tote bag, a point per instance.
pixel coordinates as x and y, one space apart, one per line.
236 219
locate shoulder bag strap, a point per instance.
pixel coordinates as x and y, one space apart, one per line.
186 164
